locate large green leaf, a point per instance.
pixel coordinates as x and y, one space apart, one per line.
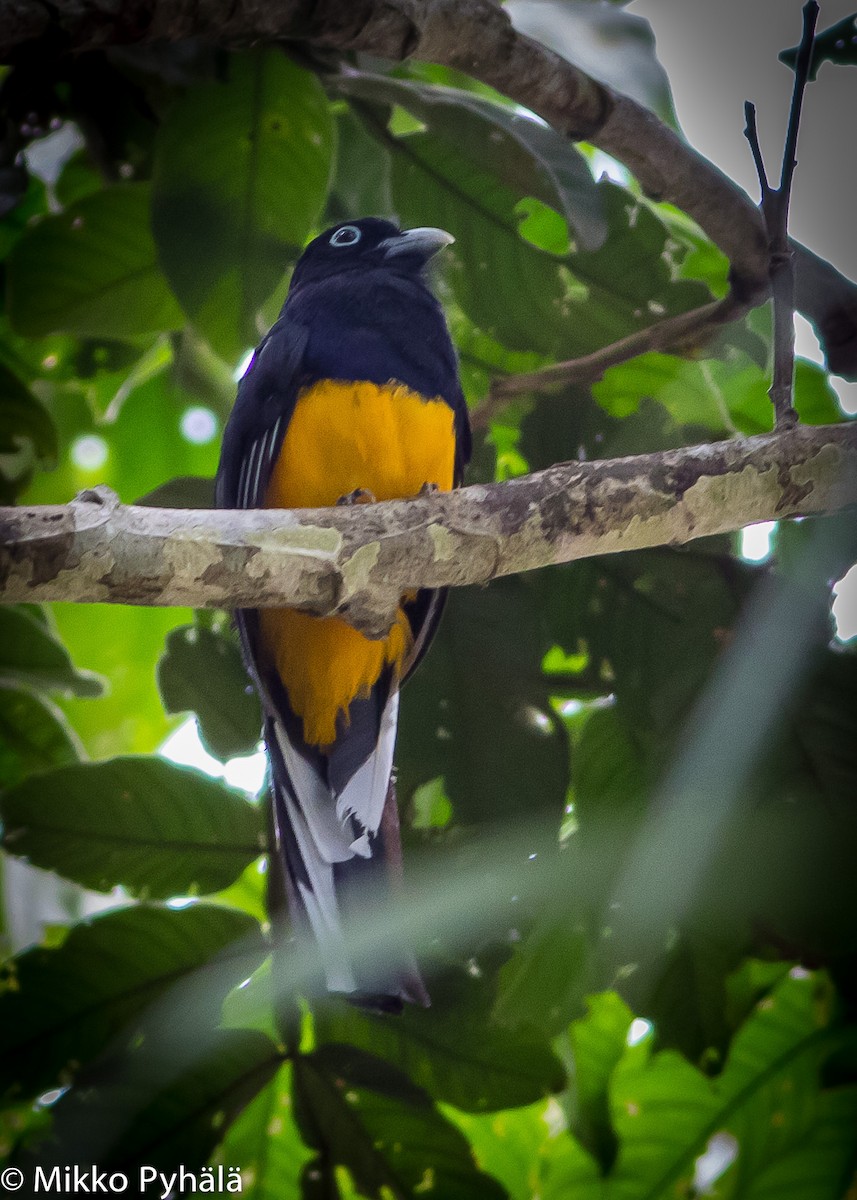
265 1143
358 1111
157 829
527 156
66 1006
34 735
454 1050
31 654
92 270
598 1043
477 712
790 1135
202 671
241 174
23 417
161 1105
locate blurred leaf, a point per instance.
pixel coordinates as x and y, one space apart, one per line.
789 1133
34 203
654 623
598 1043
156 829
361 181
77 179
148 1109
92 270
31 654
454 1050
546 977
265 1143
614 46
22 416
836 44
358 1111
188 491
34 735
241 174
478 713
59 1008
201 671
521 152
511 1146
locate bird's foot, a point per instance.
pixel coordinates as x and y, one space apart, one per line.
428 489
358 496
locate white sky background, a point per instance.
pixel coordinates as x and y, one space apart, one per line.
719 54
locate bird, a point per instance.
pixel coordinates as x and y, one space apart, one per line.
352 396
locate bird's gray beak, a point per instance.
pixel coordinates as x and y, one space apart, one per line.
421 243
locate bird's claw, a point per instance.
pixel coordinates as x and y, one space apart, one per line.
358 496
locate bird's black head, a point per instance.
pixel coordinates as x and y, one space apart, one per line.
366 244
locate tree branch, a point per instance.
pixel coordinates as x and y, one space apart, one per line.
775 209
674 334
475 36
357 562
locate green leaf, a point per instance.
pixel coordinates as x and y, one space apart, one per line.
241 174
34 735
528 157
361 1113
792 1136
598 1043
22 416
188 491
92 270
156 829
490 732
31 654
512 1146
59 1008
159 1109
201 671
836 44
265 1143
454 1050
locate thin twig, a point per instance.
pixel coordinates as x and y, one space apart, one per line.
775 210
688 329
751 133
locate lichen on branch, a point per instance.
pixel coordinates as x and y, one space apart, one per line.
357 562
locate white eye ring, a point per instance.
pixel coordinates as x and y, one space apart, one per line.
346 235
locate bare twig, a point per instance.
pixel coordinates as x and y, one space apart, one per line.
681 332
775 210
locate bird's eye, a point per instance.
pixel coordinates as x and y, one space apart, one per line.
346 235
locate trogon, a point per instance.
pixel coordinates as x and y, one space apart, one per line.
352 396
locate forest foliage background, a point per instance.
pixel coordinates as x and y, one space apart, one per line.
627 785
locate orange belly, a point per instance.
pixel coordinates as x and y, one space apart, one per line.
344 436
